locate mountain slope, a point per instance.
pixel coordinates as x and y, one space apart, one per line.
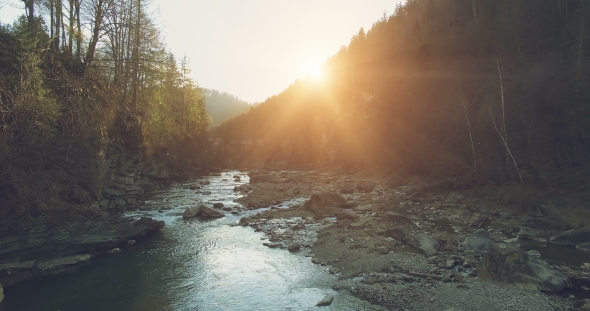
222 106
440 87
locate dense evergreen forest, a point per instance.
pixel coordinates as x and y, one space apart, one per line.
496 87
80 77
222 106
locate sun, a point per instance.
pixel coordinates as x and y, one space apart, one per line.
315 72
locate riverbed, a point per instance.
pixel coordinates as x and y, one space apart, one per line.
190 265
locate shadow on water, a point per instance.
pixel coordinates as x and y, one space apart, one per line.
189 265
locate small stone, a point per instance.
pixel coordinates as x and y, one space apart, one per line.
131 242
382 250
432 300
459 277
463 286
207 192
326 301
450 263
218 205
294 247
114 251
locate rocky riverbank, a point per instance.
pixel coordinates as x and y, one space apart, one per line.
423 245
40 247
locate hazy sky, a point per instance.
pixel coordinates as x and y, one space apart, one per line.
254 48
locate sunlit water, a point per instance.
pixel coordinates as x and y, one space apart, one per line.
190 265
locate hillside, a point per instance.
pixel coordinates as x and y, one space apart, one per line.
493 87
222 106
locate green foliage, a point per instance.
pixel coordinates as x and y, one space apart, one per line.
56 118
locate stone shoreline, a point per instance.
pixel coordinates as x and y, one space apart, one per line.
416 245
42 248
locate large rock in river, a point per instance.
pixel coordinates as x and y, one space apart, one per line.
318 203
572 237
509 264
201 210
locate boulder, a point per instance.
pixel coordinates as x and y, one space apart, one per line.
527 233
423 242
365 186
344 215
190 212
512 265
479 243
537 210
384 250
482 222
397 233
319 202
1 293
218 205
200 210
551 222
326 301
572 237
294 247
347 188
209 212
358 225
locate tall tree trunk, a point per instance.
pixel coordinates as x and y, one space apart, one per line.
95 34
135 76
57 24
71 28
52 22
78 32
31 13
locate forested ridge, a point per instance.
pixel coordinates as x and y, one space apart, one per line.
79 81
222 106
441 86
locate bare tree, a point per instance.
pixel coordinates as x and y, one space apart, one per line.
502 130
468 126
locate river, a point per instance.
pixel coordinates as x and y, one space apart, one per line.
190 265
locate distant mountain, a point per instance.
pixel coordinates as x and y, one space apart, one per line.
222 106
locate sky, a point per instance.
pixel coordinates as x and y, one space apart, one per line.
254 49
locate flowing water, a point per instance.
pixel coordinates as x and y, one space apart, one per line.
190 265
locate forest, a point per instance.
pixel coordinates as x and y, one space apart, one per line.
495 88
222 106
78 77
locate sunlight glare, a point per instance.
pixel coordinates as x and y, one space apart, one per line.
315 72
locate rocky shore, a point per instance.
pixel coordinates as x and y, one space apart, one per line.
41 247
423 245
